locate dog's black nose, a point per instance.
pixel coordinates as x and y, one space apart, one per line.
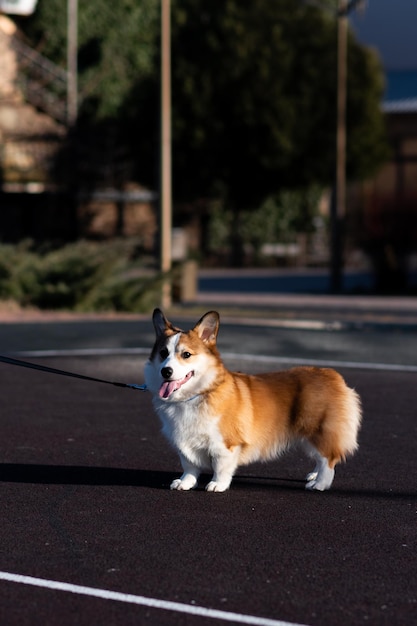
167 372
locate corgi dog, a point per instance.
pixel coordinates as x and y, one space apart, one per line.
218 420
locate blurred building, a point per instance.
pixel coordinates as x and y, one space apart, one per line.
388 204
39 196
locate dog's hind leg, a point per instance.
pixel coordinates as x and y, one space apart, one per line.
189 478
333 440
322 476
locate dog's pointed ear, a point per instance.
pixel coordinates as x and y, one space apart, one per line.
208 327
161 324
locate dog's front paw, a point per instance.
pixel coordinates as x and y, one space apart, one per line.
176 484
183 484
214 485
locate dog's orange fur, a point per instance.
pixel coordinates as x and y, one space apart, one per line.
266 412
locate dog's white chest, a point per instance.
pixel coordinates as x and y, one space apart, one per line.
193 431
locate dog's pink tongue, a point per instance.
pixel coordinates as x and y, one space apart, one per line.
168 387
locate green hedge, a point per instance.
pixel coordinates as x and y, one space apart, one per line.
83 276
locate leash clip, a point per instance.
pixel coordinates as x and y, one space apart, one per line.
139 387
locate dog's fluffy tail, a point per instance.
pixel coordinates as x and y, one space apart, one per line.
352 423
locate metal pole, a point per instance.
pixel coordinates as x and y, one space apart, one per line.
166 175
339 199
72 66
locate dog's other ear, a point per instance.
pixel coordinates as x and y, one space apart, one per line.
160 322
208 327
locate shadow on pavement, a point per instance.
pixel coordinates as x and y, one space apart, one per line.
95 476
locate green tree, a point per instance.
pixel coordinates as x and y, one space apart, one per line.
116 40
254 94
254 97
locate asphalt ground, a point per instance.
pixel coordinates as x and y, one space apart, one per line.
85 477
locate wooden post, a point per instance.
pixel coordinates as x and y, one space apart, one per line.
166 182
72 62
339 197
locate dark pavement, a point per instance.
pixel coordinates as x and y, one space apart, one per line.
85 480
303 294
291 280
282 280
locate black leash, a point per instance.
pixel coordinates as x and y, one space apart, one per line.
52 370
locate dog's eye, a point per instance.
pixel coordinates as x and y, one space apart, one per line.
164 353
186 355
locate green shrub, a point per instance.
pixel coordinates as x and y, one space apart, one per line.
83 276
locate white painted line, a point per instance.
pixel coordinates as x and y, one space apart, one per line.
300 324
385 367
154 603
254 358
33 354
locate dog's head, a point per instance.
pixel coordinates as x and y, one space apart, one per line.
182 365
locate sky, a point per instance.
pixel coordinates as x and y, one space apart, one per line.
391 27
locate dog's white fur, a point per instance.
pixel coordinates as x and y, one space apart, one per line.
218 420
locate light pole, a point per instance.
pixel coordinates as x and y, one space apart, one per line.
165 173
338 209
